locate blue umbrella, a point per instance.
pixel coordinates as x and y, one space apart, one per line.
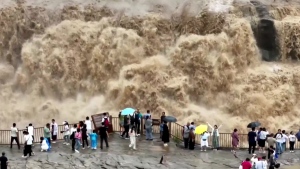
127 111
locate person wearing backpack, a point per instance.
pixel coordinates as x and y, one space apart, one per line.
186 135
105 120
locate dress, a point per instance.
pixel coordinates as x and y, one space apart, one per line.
215 139
166 135
235 139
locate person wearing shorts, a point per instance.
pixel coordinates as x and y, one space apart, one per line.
262 140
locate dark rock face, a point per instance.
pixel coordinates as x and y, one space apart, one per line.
265 33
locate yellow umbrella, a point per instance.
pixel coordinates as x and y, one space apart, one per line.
201 129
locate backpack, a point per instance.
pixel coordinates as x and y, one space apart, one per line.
72 136
106 122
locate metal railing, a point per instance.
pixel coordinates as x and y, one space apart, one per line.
225 140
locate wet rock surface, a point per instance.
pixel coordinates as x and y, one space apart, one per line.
119 155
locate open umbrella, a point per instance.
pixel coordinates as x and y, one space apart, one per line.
127 111
201 129
253 124
170 119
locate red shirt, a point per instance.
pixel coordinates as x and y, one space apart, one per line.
246 165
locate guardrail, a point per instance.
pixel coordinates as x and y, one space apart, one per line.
175 133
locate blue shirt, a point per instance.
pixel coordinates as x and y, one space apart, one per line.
93 136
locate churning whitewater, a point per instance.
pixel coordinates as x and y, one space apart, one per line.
199 61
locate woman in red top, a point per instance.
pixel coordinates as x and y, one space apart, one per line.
246 164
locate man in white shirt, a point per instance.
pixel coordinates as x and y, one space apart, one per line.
30 129
28 145
14 135
88 124
262 164
54 131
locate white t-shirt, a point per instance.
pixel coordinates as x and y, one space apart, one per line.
262 135
28 138
284 138
292 138
261 164
279 138
105 118
14 132
30 130
88 124
67 130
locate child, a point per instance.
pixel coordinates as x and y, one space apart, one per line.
77 140
93 137
44 146
204 141
161 128
132 135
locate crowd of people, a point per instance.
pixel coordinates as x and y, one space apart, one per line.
131 127
81 135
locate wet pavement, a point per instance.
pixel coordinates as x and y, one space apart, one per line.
119 155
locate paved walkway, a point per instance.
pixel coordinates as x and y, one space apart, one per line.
118 155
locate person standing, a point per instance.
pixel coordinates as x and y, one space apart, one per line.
191 143
251 140
137 121
30 129
166 134
235 140
162 117
126 127
84 137
105 119
204 141
132 135
4 161
103 135
186 135
284 140
28 145
54 131
148 127
78 137
93 138
14 135
262 140
278 136
292 139
298 135
66 133
88 124
72 136
121 122
47 133
215 136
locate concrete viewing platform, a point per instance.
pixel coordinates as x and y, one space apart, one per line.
120 156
